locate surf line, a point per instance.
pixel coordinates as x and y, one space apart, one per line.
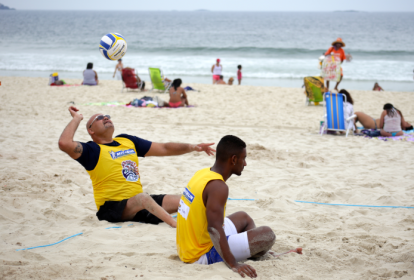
353 205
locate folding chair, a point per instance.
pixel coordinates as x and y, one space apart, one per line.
157 80
334 119
130 79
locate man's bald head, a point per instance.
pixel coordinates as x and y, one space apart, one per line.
88 124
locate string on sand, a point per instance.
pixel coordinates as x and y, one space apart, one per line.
353 205
50 244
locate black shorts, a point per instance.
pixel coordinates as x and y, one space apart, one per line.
112 211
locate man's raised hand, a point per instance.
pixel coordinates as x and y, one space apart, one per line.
74 112
205 147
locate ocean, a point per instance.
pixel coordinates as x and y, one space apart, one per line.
274 48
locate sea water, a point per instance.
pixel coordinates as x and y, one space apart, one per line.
274 48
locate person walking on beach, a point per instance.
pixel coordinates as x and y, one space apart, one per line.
204 234
112 164
118 70
239 74
216 69
336 50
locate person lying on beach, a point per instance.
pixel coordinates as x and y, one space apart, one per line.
221 81
369 122
377 87
204 234
178 97
90 77
112 164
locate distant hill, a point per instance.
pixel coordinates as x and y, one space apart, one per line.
202 10
347 11
3 7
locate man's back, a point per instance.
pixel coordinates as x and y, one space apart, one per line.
193 239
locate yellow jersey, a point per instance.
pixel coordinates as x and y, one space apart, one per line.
116 175
193 239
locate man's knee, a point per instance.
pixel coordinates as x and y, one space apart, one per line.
268 234
143 198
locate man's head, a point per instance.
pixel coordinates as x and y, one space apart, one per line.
231 151
119 60
100 126
221 77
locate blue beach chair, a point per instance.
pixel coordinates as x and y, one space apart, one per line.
334 119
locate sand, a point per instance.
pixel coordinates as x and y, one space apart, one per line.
45 196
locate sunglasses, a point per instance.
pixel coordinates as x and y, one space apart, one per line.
100 117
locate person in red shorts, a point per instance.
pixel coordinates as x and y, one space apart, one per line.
216 69
337 50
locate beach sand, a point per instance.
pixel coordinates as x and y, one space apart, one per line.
45 196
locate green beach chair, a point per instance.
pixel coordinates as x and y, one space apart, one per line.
157 80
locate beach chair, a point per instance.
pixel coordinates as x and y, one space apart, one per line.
157 80
314 88
334 119
130 80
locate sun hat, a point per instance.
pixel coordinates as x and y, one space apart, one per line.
339 40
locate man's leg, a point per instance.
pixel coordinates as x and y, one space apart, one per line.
261 239
327 86
337 84
144 201
171 202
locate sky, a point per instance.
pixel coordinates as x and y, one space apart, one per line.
215 5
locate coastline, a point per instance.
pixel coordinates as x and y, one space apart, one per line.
275 82
45 196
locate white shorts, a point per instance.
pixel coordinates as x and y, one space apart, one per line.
238 243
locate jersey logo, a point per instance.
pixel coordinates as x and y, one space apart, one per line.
188 195
115 155
130 170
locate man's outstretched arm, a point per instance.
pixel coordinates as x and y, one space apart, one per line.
176 149
216 193
66 143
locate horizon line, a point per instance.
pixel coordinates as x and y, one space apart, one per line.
205 10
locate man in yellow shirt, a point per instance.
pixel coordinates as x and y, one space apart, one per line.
112 164
204 234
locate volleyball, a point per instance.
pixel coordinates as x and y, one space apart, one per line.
113 46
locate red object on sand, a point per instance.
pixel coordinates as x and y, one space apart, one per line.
129 78
297 250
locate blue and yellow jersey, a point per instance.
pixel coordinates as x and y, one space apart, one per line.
193 239
113 168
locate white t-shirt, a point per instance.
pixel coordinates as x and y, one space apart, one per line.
348 111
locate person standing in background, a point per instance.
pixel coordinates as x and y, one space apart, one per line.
336 50
118 70
216 69
239 74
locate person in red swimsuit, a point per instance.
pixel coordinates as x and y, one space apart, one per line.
337 50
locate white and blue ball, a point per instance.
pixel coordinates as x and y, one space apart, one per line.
113 46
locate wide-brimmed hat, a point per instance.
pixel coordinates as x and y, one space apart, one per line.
339 41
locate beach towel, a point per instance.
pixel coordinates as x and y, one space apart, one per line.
375 134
